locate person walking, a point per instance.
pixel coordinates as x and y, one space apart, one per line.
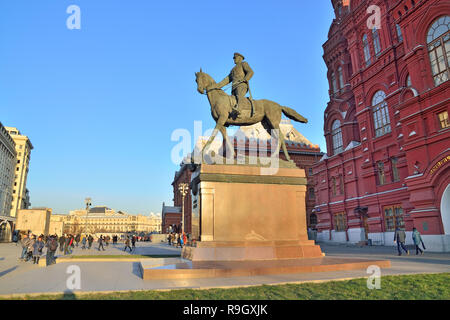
83 242
30 247
133 242
181 241
185 241
77 239
51 245
417 241
90 240
37 250
16 237
62 241
24 243
67 244
72 242
100 243
127 244
400 238
178 240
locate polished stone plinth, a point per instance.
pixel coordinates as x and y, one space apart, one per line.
251 250
186 269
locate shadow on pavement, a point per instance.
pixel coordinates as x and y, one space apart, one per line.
69 295
137 270
8 271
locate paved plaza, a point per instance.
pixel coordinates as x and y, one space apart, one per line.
19 277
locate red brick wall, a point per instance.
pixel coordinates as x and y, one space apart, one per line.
415 138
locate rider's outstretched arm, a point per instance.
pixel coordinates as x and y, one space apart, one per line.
224 82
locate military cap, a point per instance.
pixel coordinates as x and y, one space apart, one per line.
238 54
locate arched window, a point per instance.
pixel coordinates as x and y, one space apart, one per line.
334 83
341 78
376 41
366 50
438 40
336 134
408 81
380 111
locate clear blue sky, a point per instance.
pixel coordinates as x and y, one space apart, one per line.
100 104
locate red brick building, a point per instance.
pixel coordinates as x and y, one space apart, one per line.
386 125
172 215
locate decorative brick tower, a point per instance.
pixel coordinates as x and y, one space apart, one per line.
386 125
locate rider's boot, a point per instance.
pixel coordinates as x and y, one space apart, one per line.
236 109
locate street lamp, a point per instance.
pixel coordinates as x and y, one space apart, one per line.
88 203
183 188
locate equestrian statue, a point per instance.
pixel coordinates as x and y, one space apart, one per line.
237 110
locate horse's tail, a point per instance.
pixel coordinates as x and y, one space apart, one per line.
292 114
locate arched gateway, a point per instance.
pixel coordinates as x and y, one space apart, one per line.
5 231
445 209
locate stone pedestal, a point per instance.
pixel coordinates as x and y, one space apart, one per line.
248 223
243 212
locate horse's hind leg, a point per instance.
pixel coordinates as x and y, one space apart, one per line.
283 144
275 124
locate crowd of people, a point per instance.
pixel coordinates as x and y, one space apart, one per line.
177 239
33 245
176 236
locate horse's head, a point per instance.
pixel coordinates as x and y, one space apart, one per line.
203 80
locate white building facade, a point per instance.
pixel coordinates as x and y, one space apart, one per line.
23 151
7 167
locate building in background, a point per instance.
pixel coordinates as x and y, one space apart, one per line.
99 220
8 161
57 224
171 216
386 124
104 220
35 220
23 151
155 222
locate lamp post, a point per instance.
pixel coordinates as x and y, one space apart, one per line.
183 188
88 203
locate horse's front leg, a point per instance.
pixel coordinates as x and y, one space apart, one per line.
219 125
230 147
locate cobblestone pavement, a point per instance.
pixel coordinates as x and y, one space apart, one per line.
20 277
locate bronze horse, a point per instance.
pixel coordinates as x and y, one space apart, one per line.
265 111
